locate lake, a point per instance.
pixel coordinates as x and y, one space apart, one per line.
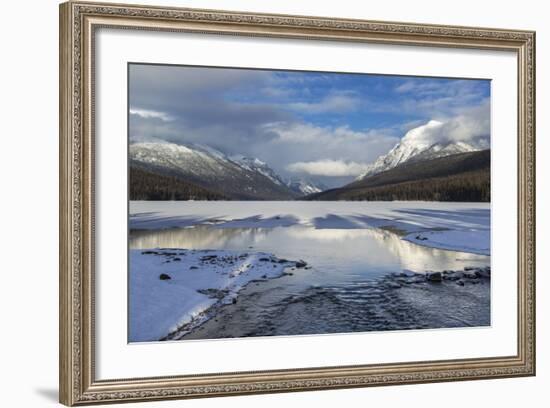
351 250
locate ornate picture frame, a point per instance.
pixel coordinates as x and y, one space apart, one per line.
79 22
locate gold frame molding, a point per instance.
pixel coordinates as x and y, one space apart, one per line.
78 22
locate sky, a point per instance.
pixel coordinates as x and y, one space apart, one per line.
326 127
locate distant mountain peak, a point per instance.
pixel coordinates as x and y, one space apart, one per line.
305 187
255 164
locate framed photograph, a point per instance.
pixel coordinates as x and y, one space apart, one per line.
260 203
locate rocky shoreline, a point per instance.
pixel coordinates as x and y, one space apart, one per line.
469 275
396 301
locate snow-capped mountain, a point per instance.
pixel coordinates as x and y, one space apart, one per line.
416 146
237 178
457 177
304 187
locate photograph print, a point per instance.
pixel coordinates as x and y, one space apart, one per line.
282 203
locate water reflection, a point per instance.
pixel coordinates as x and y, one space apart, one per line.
335 254
340 292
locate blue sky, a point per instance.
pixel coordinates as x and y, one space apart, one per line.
288 117
363 101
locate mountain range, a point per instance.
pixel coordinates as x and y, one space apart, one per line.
414 169
211 171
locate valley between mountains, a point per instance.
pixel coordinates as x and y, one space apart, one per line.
410 171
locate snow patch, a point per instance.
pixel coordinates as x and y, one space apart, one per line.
169 288
475 242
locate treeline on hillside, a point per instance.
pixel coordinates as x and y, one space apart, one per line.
147 185
426 169
470 186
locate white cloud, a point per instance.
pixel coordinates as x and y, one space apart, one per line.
323 151
472 126
151 114
328 168
327 137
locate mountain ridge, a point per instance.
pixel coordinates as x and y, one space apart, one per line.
202 172
234 177
208 168
417 146
458 177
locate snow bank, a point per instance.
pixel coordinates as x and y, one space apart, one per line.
169 288
476 242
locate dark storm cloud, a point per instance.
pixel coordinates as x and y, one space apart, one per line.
194 108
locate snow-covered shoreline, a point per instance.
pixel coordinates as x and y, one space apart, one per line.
171 288
174 291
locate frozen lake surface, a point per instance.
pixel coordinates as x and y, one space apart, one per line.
232 267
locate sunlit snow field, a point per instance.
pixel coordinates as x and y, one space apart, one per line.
236 269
